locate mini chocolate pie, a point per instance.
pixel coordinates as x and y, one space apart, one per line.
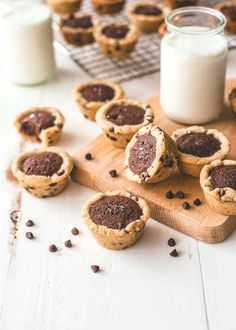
229 10
198 146
121 119
43 172
92 95
232 100
147 16
116 39
64 7
218 181
151 156
116 219
78 29
41 124
108 7
174 4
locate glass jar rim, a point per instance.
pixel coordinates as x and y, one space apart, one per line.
198 9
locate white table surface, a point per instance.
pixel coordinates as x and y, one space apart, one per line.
139 288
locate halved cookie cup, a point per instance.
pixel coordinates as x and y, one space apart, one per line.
151 156
43 186
191 164
47 136
127 114
221 199
117 239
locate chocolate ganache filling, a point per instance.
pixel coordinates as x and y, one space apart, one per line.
223 176
142 154
115 31
35 122
98 93
45 164
121 114
115 212
83 22
229 11
148 10
198 144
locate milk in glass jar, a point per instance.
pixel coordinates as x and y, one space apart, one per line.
193 65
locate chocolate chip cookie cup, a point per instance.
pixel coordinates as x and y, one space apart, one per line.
228 9
90 96
77 29
146 16
116 219
43 172
232 100
40 124
116 39
151 156
198 146
120 120
108 7
218 182
64 7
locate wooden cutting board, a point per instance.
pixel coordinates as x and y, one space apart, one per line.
199 222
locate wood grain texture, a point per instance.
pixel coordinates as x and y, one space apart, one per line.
199 222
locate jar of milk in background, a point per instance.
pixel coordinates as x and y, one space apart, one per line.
193 65
27 54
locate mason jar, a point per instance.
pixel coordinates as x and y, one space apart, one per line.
193 64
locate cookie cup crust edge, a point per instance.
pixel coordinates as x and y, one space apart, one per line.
116 239
225 204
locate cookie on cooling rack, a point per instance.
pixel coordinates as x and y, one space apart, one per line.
108 7
228 8
64 7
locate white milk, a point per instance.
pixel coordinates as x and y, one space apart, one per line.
193 76
27 48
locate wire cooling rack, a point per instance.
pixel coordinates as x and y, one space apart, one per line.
143 61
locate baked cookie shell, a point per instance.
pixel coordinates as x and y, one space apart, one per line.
117 239
43 186
48 136
221 200
120 135
192 165
90 108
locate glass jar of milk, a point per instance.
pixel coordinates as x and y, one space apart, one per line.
193 64
27 43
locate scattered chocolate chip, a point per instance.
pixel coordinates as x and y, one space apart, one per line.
171 242
95 268
113 173
29 235
186 205
174 253
52 248
29 223
75 231
197 202
88 156
68 243
170 195
180 194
